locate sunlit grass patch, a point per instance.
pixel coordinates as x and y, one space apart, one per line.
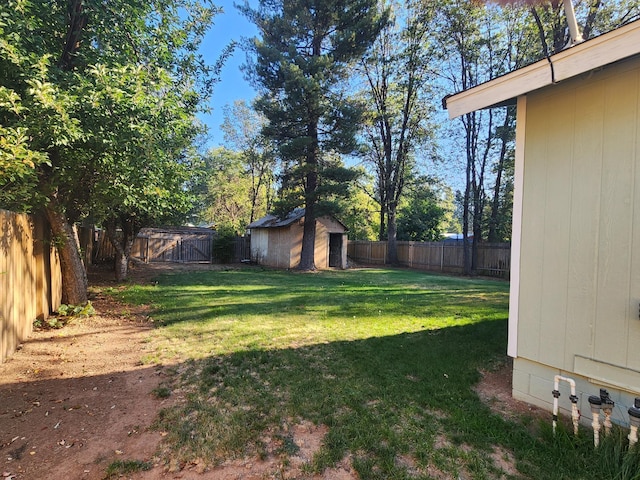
383 362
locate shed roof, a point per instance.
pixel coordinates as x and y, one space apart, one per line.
271 221
619 44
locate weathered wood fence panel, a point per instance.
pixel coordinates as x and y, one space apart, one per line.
374 253
163 246
494 259
30 277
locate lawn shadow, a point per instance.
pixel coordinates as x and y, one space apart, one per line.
405 396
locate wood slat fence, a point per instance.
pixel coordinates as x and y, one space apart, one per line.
30 277
179 246
163 246
494 259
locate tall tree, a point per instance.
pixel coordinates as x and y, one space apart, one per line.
229 190
480 43
422 214
103 94
242 127
397 74
301 65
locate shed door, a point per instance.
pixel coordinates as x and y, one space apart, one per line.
335 250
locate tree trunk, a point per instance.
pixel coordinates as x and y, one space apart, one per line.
122 266
382 227
392 239
307 254
74 275
122 247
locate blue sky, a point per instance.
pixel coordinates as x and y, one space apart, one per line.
230 25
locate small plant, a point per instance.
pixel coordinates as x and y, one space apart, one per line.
49 323
122 467
86 310
162 391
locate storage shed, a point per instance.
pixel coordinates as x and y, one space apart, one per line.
575 265
277 242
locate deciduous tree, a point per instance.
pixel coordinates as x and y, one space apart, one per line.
100 90
397 73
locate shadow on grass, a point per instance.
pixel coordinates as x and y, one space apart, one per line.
384 400
201 296
408 395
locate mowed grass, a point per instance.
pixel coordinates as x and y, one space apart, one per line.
385 360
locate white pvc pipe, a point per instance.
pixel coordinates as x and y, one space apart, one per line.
574 30
575 414
596 429
633 435
607 419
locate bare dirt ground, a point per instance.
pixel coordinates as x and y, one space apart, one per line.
76 399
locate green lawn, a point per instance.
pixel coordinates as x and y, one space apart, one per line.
386 360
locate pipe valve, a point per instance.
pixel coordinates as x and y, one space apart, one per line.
634 419
596 404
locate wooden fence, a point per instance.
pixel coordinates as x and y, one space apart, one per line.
494 259
180 245
30 277
163 245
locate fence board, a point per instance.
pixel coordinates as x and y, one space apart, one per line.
30 277
163 246
494 259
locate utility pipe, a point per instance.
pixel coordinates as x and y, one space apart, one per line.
575 414
634 419
607 408
574 30
596 405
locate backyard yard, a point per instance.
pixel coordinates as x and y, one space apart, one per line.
250 373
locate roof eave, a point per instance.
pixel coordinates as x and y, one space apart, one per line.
608 48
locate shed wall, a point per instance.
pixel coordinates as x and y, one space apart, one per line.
259 245
281 247
579 289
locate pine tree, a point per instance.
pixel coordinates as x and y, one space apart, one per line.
302 64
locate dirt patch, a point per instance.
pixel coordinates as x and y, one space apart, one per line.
495 388
76 399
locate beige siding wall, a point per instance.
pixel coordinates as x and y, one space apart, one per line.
579 289
322 244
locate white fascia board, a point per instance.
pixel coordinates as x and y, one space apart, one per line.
503 88
611 47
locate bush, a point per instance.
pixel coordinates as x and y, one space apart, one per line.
224 245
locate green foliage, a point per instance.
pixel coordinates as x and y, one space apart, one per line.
302 67
98 108
65 313
50 323
226 197
421 217
224 244
76 310
359 212
242 128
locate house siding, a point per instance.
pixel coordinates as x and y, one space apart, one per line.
579 289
